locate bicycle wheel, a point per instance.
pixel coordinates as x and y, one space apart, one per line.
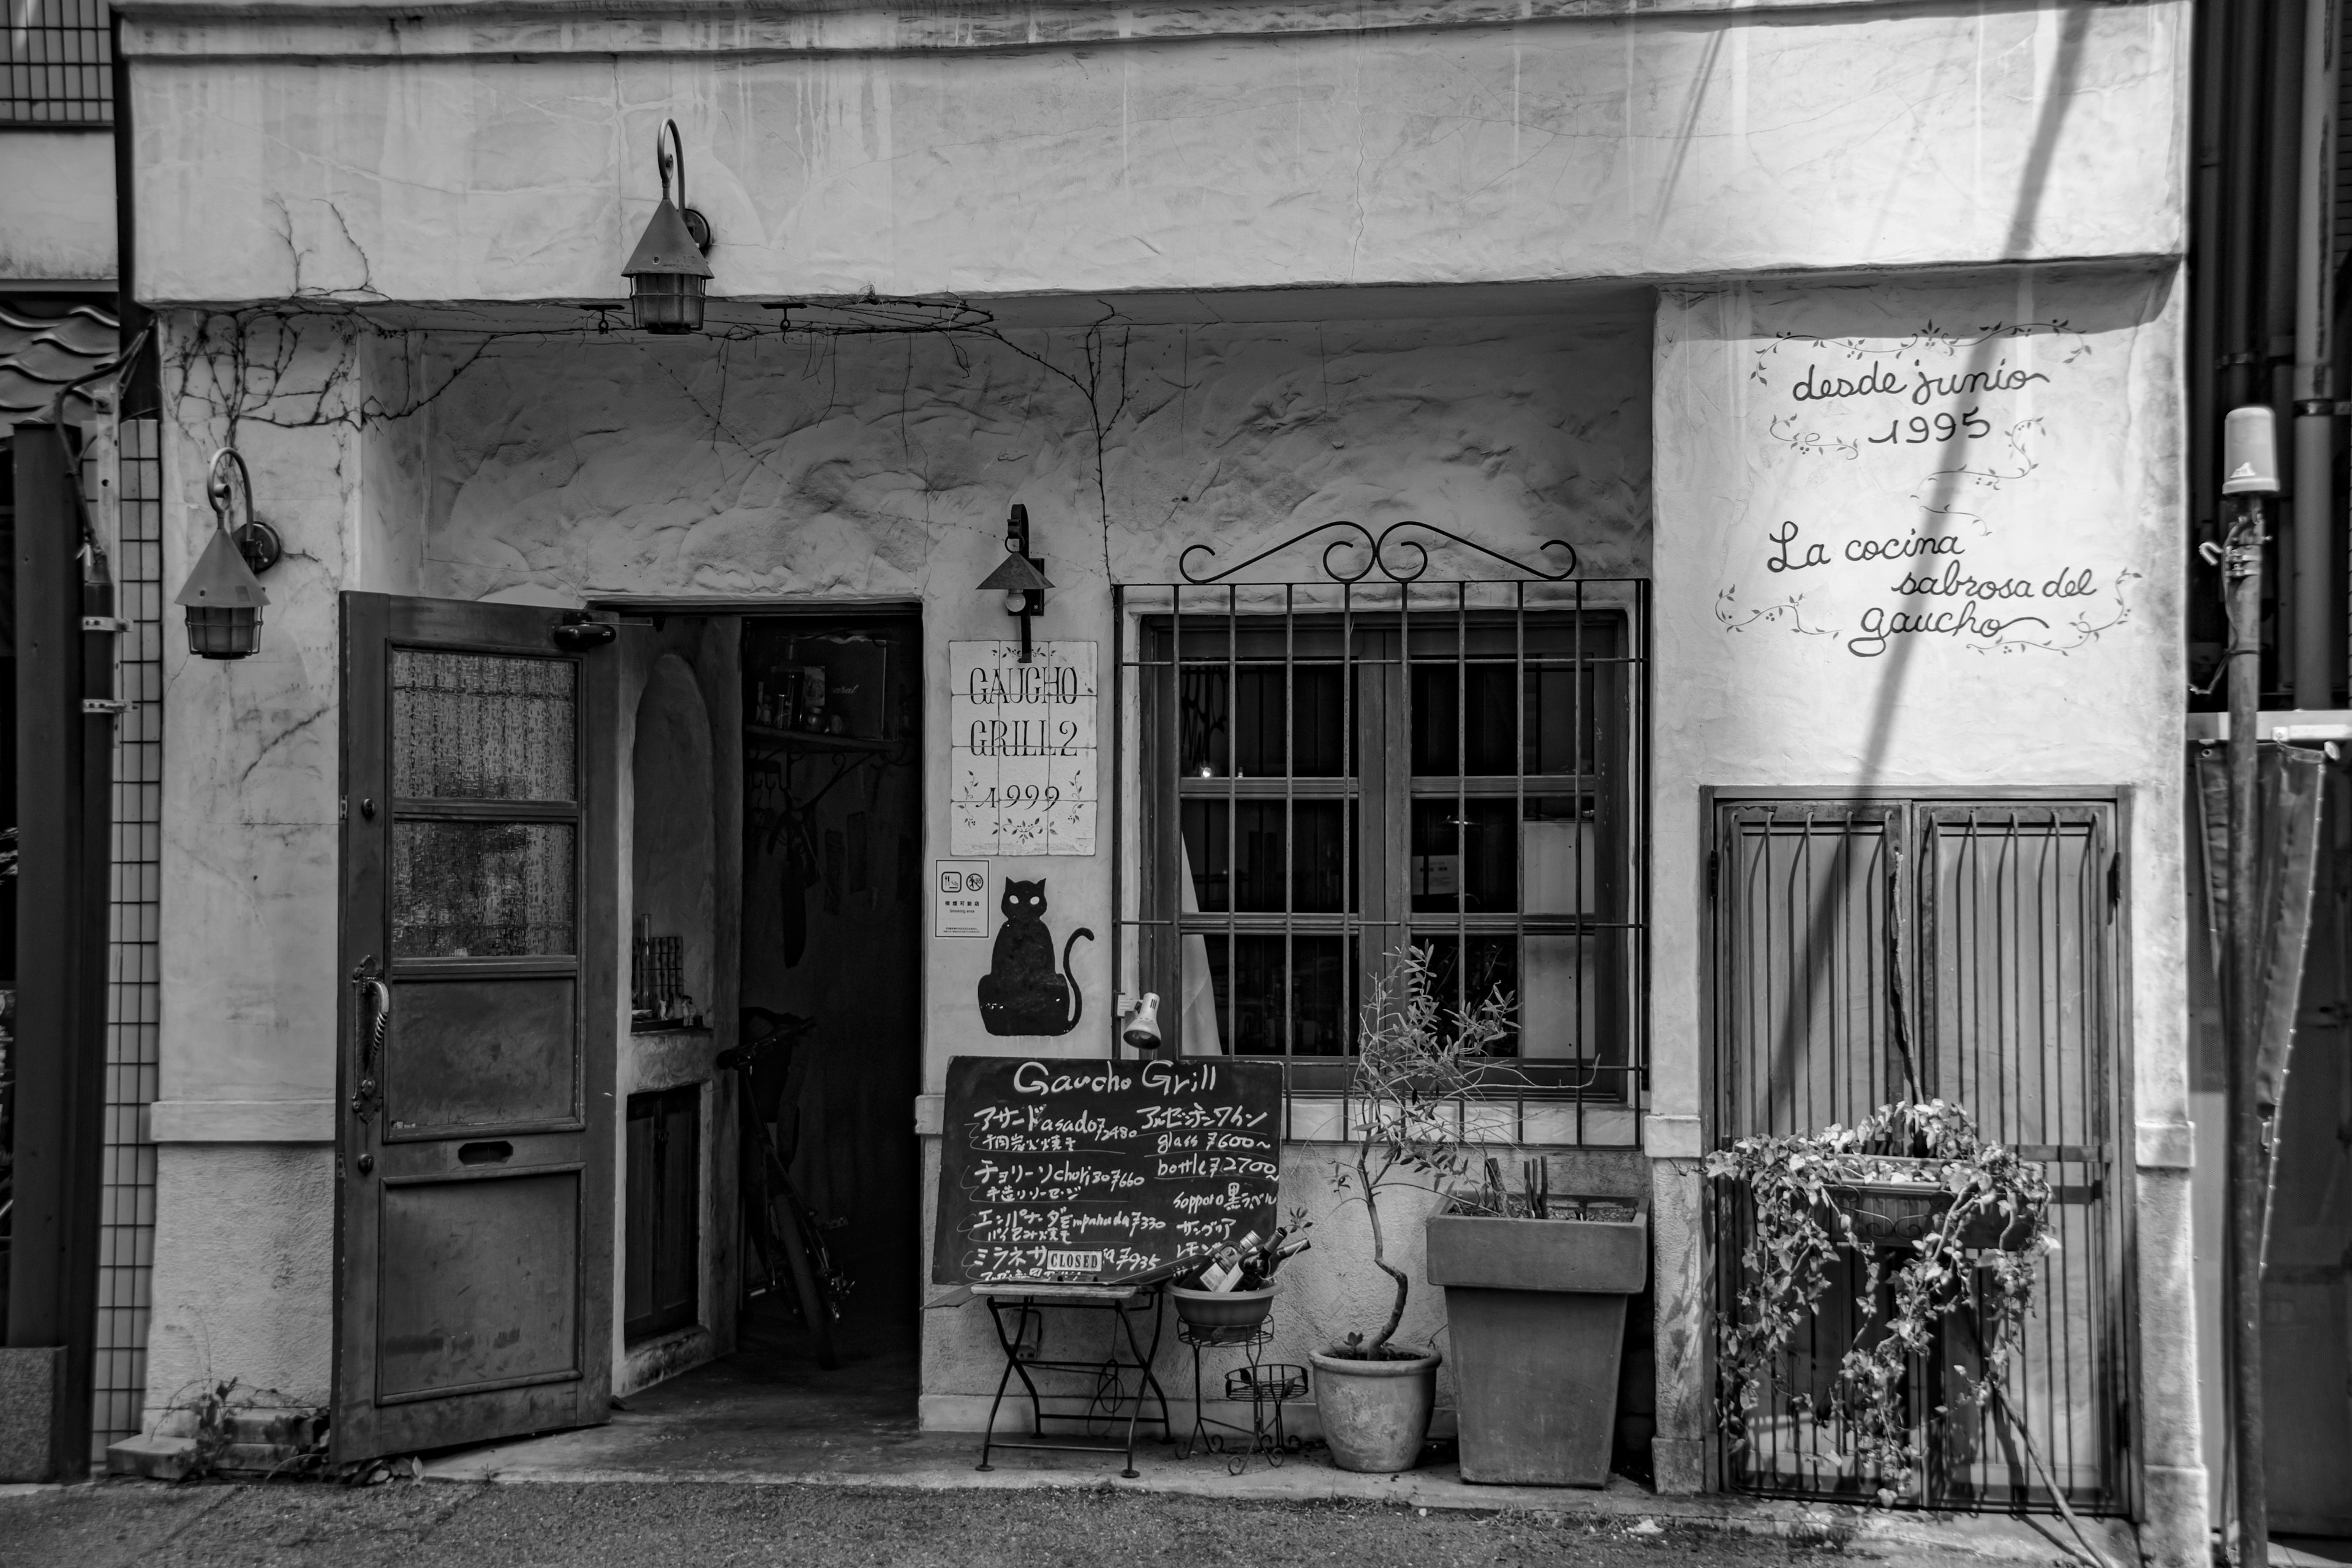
808 1283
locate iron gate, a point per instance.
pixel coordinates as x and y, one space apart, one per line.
1993 926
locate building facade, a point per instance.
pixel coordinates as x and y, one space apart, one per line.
1789 410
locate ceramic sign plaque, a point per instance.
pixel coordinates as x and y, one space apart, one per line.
1023 738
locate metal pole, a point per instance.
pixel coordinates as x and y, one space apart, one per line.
2314 409
2242 575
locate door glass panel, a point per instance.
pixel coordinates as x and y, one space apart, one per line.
481 890
474 726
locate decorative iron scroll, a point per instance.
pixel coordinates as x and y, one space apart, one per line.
1375 548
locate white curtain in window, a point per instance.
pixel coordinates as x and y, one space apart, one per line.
1200 1035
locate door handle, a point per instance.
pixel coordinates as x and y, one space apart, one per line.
375 1023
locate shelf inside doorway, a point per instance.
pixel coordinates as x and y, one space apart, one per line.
760 735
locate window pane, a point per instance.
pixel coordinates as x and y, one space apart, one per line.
481 890
1268 1004
1559 996
1249 739
1561 869
473 726
1458 705
1317 858
1462 857
1493 964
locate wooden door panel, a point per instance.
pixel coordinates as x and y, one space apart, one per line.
479 1284
471 1055
474 1213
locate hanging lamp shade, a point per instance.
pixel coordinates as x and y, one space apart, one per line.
1014 575
224 601
666 272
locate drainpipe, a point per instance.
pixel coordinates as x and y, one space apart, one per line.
2315 406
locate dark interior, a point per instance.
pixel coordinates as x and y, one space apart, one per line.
832 932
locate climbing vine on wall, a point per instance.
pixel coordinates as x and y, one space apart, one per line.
300 364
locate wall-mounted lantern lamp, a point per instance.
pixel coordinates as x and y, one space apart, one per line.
666 272
224 595
1021 576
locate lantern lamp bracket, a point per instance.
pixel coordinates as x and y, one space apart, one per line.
255 540
669 153
259 544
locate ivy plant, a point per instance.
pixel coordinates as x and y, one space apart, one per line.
1798 1186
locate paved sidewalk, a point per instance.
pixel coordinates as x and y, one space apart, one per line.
748 1423
410 1524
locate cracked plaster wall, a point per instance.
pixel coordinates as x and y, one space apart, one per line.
1662 146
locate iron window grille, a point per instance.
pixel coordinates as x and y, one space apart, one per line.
1322 771
59 65
1994 925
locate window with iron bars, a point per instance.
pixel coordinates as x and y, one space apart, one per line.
59 65
1326 772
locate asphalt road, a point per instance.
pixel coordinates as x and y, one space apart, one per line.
428 1524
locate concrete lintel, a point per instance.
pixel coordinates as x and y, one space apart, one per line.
243 1121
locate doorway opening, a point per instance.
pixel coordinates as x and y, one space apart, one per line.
802 1238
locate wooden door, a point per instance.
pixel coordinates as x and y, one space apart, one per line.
474 1208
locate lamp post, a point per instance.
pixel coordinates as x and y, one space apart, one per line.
223 596
2250 469
1019 576
666 272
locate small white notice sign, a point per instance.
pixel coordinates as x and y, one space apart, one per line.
1022 749
960 898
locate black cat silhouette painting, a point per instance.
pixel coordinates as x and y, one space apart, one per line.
1021 994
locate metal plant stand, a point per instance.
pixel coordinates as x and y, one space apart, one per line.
1264 1386
1015 1310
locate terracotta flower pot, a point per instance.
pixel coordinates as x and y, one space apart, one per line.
1235 1312
1375 1413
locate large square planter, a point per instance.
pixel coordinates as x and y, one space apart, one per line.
1535 1312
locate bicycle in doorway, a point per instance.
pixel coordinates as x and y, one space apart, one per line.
786 1234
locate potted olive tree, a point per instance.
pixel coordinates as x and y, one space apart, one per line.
1418 1070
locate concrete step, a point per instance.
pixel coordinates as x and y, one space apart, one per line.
246 1442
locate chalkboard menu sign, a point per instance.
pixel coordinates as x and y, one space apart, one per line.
1097 1172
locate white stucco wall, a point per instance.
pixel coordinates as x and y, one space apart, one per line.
372 162
1780 665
